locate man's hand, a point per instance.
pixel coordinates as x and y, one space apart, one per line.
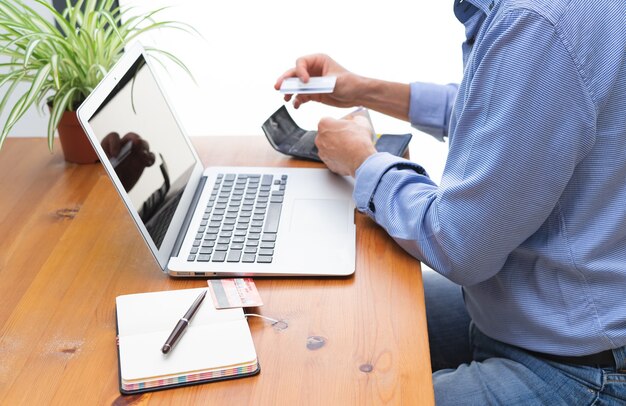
347 87
344 144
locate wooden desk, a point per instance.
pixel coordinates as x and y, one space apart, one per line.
68 248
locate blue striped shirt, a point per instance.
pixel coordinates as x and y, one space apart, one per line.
530 214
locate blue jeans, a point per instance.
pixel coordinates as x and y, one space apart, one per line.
470 368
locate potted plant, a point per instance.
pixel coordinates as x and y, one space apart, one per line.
63 62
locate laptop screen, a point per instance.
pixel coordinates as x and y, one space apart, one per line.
144 144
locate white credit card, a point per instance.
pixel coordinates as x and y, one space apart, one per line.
316 84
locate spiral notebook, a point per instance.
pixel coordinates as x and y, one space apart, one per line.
216 345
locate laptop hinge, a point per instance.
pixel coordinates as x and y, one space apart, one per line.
188 217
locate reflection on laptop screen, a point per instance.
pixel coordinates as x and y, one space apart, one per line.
144 144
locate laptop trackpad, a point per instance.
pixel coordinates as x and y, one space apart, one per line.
319 215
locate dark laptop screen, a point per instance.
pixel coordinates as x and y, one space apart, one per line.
145 145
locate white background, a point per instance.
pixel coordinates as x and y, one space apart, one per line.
245 45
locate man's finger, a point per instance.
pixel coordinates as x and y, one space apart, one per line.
302 71
289 73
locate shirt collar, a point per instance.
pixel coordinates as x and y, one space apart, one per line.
464 9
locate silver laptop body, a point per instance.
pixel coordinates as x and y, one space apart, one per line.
214 221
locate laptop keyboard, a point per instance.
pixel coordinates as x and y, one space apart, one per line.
241 219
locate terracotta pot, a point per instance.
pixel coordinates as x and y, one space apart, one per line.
74 142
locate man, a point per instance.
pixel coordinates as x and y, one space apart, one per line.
530 215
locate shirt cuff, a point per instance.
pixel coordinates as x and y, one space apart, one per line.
369 175
428 108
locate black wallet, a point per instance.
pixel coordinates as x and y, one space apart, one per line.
287 137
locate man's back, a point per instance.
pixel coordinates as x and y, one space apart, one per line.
561 289
593 204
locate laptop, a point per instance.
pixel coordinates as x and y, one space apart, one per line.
214 221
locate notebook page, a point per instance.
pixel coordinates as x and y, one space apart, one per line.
157 311
225 345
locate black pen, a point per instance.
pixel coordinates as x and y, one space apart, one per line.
182 324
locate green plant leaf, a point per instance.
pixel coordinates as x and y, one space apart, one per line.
11 12
66 28
13 80
59 106
173 58
112 23
16 43
14 113
29 51
25 101
54 63
74 12
13 84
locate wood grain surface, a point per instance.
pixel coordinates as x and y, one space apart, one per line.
68 247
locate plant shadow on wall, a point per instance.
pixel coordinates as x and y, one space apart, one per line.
64 60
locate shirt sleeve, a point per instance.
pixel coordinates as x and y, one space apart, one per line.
370 173
526 121
430 107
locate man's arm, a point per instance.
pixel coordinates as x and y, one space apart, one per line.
431 107
525 122
351 90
